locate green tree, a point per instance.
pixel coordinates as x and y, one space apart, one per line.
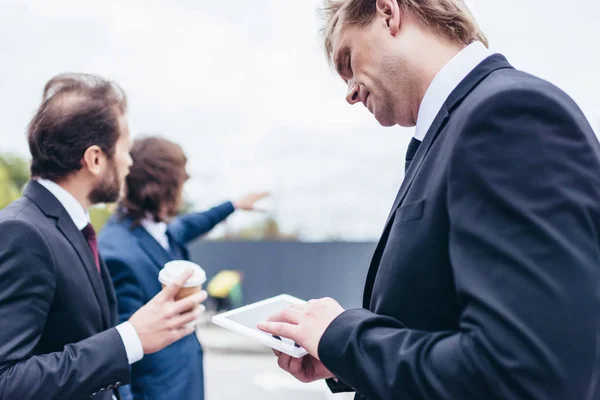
8 189
14 174
18 169
100 214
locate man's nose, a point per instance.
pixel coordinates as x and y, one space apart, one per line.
353 95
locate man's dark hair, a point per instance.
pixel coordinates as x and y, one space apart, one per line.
154 183
77 111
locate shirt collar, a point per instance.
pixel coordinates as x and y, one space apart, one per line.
445 81
158 230
74 208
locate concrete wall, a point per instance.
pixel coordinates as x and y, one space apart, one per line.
305 270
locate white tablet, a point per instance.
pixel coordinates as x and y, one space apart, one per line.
244 320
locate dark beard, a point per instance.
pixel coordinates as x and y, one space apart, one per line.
108 190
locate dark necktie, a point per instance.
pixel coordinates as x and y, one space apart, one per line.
90 235
413 146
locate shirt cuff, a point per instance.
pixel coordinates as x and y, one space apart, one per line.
132 342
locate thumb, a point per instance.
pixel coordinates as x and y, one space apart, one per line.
171 290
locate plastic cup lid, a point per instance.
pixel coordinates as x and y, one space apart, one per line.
173 269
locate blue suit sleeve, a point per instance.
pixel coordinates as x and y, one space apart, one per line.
125 392
189 227
127 288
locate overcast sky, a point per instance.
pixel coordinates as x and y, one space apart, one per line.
244 87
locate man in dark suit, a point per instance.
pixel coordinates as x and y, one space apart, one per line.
139 240
57 304
485 282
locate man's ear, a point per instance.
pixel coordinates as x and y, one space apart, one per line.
92 160
389 11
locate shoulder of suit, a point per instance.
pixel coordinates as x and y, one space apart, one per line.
20 209
25 213
19 228
507 88
115 237
512 82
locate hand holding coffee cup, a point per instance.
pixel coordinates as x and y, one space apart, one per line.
173 269
165 319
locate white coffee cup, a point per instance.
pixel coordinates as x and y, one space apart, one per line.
173 269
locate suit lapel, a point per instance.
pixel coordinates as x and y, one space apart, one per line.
68 228
110 293
439 122
488 66
154 250
52 208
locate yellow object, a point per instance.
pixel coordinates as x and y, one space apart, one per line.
221 285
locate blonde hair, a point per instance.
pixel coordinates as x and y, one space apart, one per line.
449 18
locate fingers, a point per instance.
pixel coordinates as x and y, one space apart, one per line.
247 203
284 362
258 196
182 332
300 307
283 323
171 290
289 315
264 194
187 317
279 329
188 303
295 366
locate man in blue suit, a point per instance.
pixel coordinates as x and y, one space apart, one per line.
144 235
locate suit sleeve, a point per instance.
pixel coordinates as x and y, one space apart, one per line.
337 386
27 288
523 198
189 227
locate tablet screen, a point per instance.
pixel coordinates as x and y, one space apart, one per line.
250 318
244 320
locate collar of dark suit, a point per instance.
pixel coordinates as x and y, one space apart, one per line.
45 200
486 67
466 86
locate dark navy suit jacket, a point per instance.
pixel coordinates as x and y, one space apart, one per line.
57 312
134 259
485 282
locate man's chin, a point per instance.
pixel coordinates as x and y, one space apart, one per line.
104 198
383 121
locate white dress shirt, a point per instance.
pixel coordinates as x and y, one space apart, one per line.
158 230
131 340
446 80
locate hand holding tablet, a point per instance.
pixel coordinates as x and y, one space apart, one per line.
244 321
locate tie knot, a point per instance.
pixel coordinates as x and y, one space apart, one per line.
88 232
413 146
